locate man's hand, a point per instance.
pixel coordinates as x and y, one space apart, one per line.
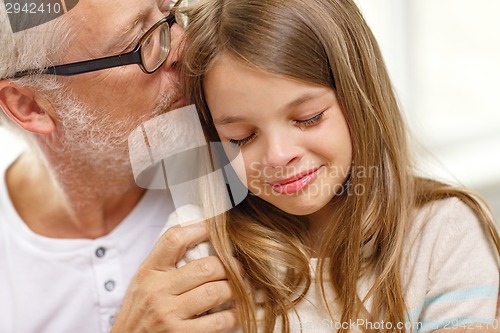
162 298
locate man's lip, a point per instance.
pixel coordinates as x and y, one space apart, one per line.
292 179
179 102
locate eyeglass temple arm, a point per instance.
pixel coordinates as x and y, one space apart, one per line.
132 57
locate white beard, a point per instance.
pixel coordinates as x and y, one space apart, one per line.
90 149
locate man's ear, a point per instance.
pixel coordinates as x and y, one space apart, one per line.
20 105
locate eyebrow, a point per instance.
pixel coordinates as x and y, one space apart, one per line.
136 26
305 98
127 36
295 103
164 4
228 120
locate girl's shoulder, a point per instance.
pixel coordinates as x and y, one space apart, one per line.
444 228
447 228
450 267
442 217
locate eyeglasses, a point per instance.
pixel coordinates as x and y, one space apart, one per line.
150 53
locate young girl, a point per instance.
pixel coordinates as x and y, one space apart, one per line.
339 233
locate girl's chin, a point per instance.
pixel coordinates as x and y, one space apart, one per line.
298 209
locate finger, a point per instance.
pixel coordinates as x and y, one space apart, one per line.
204 298
172 245
199 272
220 322
195 274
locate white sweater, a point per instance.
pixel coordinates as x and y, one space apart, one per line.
450 276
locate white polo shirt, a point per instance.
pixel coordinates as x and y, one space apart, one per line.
70 285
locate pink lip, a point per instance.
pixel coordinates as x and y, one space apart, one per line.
295 183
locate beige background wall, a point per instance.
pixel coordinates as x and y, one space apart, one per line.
444 59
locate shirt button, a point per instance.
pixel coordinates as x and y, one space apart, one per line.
100 252
109 285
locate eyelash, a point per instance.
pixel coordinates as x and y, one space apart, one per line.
243 141
305 123
310 121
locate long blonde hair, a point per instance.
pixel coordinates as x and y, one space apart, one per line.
325 42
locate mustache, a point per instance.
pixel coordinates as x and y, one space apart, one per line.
165 103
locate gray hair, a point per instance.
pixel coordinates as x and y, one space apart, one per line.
32 48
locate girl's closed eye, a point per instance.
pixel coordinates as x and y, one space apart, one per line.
302 123
310 121
241 142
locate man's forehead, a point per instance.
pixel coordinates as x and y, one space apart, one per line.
114 23
118 11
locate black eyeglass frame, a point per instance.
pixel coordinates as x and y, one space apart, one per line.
129 58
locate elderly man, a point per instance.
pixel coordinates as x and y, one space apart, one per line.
75 230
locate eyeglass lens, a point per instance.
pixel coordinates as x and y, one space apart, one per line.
155 48
181 19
